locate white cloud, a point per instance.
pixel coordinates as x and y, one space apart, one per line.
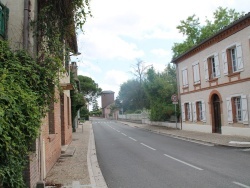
87 65
116 77
160 52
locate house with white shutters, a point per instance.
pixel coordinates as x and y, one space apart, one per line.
214 82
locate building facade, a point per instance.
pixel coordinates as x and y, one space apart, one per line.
56 127
214 82
107 98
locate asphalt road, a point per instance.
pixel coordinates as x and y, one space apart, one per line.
135 158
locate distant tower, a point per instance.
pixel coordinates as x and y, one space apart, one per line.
108 98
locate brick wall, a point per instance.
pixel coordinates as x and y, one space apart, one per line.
32 171
66 122
52 141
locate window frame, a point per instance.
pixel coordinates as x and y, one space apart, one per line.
184 72
196 73
212 67
4 17
233 66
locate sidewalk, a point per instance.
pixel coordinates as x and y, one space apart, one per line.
78 166
209 138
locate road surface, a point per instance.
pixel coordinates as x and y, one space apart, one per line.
135 158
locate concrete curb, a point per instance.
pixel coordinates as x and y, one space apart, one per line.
96 178
188 138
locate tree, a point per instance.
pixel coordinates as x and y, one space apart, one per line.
159 88
89 88
195 33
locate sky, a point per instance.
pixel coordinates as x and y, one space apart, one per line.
122 31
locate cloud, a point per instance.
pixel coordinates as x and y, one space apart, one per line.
98 44
160 52
116 77
87 65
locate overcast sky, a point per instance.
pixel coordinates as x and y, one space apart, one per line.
122 31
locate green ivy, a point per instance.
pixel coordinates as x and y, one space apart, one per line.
24 97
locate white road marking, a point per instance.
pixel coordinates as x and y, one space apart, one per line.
237 142
248 149
240 184
148 146
118 131
183 162
124 134
133 139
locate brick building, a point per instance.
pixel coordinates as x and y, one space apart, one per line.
214 81
107 98
56 127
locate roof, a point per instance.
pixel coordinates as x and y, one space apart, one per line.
107 92
231 25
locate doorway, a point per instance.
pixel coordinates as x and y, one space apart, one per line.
216 114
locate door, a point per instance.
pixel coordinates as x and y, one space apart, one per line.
217 114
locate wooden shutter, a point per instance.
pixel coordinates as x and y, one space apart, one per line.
239 57
217 65
203 111
225 63
183 112
206 69
244 109
194 112
229 110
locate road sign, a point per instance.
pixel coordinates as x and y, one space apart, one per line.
174 98
175 102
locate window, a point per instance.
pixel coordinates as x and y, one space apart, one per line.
184 77
212 67
232 59
237 109
186 111
196 72
4 16
199 113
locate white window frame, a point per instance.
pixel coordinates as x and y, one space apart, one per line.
239 65
202 111
243 111
215 66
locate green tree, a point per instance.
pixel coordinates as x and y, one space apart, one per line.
89 88
195 33
159 88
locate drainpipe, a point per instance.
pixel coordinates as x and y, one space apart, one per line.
26 25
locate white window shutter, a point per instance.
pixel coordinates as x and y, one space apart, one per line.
217 65
244 109
203 111
225 63
194 112
190 111
183 112
229 110
197 73
239 57
184 78
206 69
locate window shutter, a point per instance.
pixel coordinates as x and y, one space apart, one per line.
190 111
203 111
195 74
225 63
194 112
183 112
239 57
229 110
244 109
217 65
185 78
206 69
